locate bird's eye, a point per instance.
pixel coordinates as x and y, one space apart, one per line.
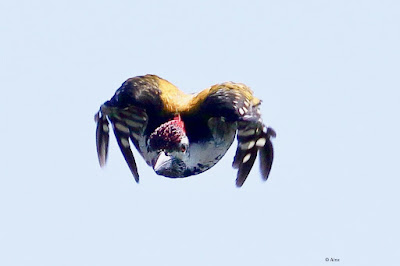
183 148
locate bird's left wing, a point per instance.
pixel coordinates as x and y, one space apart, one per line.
235 102
128 111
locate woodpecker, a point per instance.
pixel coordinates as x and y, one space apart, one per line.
181 135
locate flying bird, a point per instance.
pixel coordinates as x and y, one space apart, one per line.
181 135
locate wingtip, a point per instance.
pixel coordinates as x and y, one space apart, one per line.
266 155
102 161
123 143
136 176
265 174
239 183
102 138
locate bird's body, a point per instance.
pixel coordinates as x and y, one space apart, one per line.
181 134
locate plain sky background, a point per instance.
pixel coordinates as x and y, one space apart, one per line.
328 73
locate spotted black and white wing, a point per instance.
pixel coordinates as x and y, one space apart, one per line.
236 103
128 112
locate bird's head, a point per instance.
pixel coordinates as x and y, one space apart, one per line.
170 144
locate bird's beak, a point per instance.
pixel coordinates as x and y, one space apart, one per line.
163 162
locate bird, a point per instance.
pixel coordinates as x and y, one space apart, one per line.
180 134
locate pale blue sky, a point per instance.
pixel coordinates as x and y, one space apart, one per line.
328 75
